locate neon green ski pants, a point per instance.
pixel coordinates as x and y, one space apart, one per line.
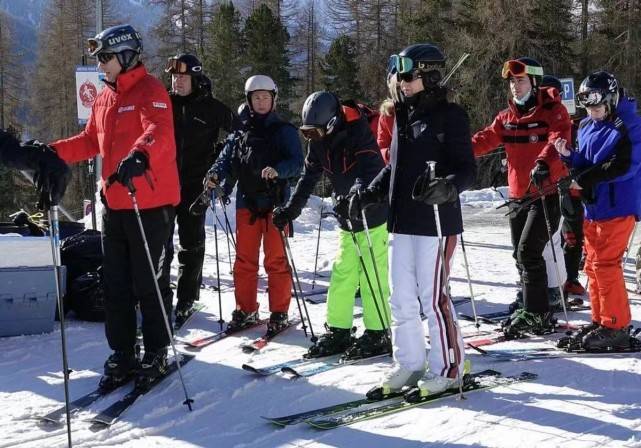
348 276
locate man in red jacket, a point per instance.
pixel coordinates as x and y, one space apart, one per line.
131 127
534 119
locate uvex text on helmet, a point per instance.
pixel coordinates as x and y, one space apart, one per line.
321 110
260 82
599 88
426 61
184 63
122 40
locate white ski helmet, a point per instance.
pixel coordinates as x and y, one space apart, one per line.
261 82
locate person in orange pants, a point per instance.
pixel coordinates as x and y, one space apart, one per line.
262 158
605 167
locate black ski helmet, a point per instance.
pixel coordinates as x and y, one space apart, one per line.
599 88
122 40
552 81
321 110
524 66
426 61
186 64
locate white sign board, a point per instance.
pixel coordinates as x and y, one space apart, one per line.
88 86
567 94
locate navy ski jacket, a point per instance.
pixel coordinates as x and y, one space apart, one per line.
437 132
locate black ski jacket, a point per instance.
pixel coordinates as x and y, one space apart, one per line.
437 132
350 159
198 119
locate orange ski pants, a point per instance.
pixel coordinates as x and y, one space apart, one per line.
605 244
248 239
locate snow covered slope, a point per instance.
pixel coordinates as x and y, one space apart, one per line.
575 402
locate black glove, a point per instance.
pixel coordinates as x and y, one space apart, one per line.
134 165
539 173
51 173
360 200
435 192
282 216
341 208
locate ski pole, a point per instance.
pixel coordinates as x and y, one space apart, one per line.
221 321
469 283
371 254
630 242
384 324
296 283
548 225
320 222
132 194
444 274
54 236
229 233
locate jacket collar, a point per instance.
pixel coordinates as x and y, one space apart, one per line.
128 79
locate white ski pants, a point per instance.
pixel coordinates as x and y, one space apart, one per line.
415 272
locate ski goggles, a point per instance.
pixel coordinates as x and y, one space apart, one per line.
520 69
174 66
94 46
105 57
313 134
591 98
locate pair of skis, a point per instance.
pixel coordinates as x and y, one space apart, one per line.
112 413
365 409
304 367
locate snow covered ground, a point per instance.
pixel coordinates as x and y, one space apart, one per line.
575 402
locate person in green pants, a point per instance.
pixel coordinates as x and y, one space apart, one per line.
341 145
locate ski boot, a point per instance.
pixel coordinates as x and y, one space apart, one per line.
396 381
433 384
604 339
334 341
523 321
182 313
152 367
277 323
120 367
574 340
241 319
573 287
371 343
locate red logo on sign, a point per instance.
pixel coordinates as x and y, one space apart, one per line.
87 93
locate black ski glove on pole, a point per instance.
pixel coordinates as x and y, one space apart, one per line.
134 165
282 216
539 173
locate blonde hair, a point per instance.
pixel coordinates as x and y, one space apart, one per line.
387 107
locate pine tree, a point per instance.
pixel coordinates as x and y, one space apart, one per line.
223 57
340 69
266 50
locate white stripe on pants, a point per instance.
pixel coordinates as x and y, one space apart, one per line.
413 264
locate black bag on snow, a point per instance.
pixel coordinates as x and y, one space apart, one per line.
80 254
86 296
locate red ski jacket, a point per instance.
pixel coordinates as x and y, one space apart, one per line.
133 115
528 138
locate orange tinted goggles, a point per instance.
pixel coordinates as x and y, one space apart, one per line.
519 69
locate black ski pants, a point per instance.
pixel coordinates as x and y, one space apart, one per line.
529 237
191 252
128 279
572 234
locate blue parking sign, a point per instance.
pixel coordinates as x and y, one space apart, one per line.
567 94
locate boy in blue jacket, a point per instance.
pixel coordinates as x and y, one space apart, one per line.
606 163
